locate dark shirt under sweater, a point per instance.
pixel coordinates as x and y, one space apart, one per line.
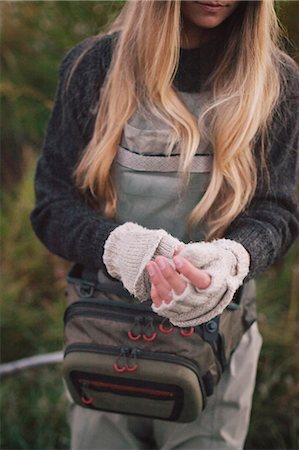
70 228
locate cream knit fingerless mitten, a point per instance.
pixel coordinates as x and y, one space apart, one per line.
227 262
127 251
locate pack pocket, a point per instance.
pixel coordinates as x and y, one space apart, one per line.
125 358
133 381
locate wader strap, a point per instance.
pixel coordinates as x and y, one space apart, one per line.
151 163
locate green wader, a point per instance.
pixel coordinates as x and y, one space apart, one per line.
151 194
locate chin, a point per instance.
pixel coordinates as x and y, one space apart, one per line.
207 23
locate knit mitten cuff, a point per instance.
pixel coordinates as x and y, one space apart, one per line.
168 245
127 251
227 263
240 253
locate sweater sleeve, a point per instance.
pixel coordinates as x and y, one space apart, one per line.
271 222
65 224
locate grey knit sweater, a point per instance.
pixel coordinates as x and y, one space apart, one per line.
73 230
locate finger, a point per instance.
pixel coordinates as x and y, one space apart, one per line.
162 286
178 249
155 296
176 282
199 278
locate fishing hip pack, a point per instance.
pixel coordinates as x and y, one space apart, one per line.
121 357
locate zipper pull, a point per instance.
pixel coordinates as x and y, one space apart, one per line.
185 332
132 364
165 326
149 333
85 399
120 364
135 333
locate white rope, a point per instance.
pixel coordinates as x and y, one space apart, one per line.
14 367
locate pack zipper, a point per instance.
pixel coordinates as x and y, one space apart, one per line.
135 353
94 308
132 352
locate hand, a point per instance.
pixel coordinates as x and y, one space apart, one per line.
165 279
129 248
211 273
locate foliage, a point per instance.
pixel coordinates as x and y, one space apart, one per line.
32 305
31 282
35 36
274 422
34 411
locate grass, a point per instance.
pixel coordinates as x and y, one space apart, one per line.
274 422
34 411
33 404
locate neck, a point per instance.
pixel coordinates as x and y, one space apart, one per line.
193 36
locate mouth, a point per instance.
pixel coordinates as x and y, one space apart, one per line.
211 6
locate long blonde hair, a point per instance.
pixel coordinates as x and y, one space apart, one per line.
244 89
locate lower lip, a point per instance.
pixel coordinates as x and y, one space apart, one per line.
210 8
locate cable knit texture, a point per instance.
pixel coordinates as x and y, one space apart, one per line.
227 262
128 250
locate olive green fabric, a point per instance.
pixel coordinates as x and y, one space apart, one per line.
145 403
222 426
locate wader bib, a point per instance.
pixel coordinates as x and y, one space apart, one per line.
150 191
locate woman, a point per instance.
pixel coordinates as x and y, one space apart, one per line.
179 125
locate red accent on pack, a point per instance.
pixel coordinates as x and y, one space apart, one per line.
132 389
119 369
132 368
186 333
151 338
87 401
165 330
132 337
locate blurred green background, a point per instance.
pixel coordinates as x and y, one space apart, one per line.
34 37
